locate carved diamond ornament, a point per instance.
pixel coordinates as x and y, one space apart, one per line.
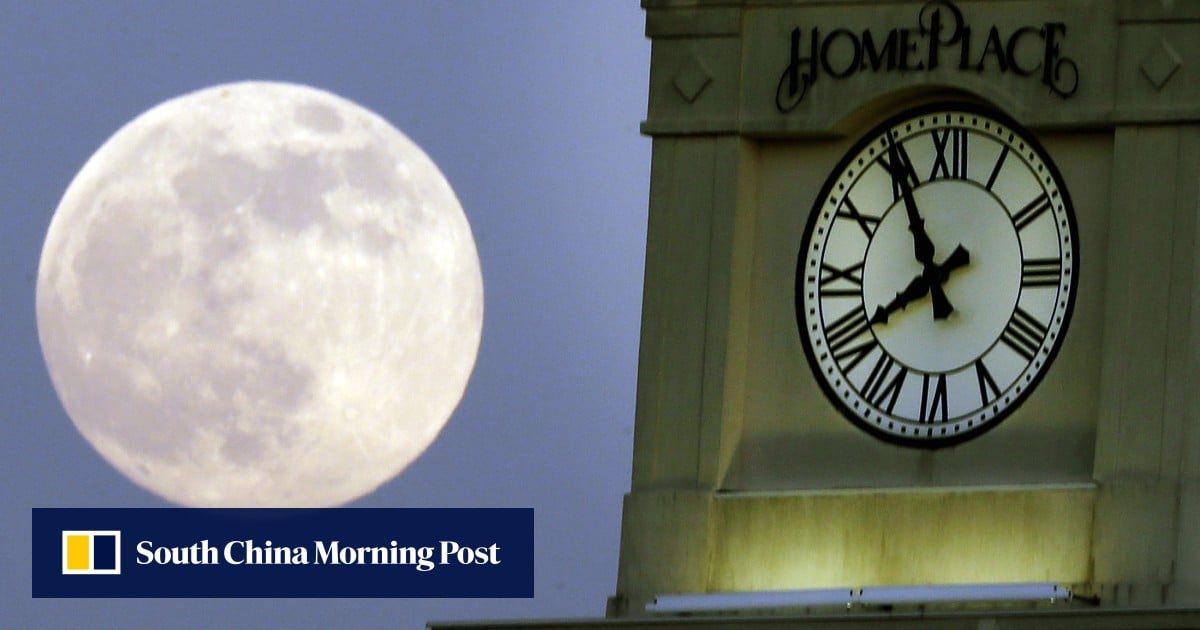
691 78
1159 65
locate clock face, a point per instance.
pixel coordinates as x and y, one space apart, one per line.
937 274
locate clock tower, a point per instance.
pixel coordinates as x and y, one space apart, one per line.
922 303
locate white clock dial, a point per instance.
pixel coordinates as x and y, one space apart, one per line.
937 274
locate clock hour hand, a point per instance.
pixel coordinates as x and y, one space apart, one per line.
929 282
915 290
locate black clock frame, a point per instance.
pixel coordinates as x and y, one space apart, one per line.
871 136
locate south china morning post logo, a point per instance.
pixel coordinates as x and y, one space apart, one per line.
91 552
333 552
329 552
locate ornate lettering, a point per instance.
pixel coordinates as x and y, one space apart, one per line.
941 30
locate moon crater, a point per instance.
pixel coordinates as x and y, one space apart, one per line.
259 294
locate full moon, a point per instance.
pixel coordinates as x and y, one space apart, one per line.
259 294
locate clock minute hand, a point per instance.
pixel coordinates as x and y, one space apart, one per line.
936 275
922 245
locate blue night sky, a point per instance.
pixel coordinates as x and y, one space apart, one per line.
530 108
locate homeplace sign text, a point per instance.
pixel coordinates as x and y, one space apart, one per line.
940 38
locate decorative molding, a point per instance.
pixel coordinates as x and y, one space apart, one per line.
691 78
1161 64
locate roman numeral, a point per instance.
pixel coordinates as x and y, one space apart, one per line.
1024 334
855 354
1031 212
951 160
996 169
899 167
988 390
931 407
867 222
830 274
1041 272
881 391
847 328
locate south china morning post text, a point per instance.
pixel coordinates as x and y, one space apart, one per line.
340 552
237 552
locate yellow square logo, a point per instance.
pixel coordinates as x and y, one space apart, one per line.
91 552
